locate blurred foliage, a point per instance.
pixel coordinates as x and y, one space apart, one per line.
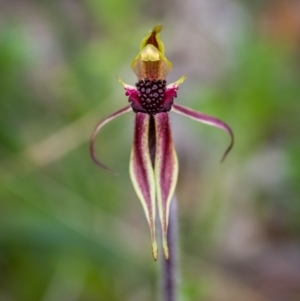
68 230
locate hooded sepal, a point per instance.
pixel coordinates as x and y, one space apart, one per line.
201 117
166 172
151 62
142 174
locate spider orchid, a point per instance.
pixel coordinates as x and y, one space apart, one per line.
153 162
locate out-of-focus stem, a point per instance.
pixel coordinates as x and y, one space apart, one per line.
169 268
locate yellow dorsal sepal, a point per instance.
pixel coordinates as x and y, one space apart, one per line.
150 53
152 49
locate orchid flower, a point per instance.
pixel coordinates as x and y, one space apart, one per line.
153 161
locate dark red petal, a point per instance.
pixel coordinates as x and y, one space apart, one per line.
201 117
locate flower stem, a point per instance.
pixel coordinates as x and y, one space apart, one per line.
169 271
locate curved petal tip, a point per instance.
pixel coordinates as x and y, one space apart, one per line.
201 117
95 133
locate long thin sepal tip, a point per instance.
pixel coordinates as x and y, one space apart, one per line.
227 150
166 249
154 251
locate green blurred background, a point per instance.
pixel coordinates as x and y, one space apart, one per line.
71 231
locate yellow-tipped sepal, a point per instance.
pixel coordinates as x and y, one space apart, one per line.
142 174
165 248
166 173
154 251
151 62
